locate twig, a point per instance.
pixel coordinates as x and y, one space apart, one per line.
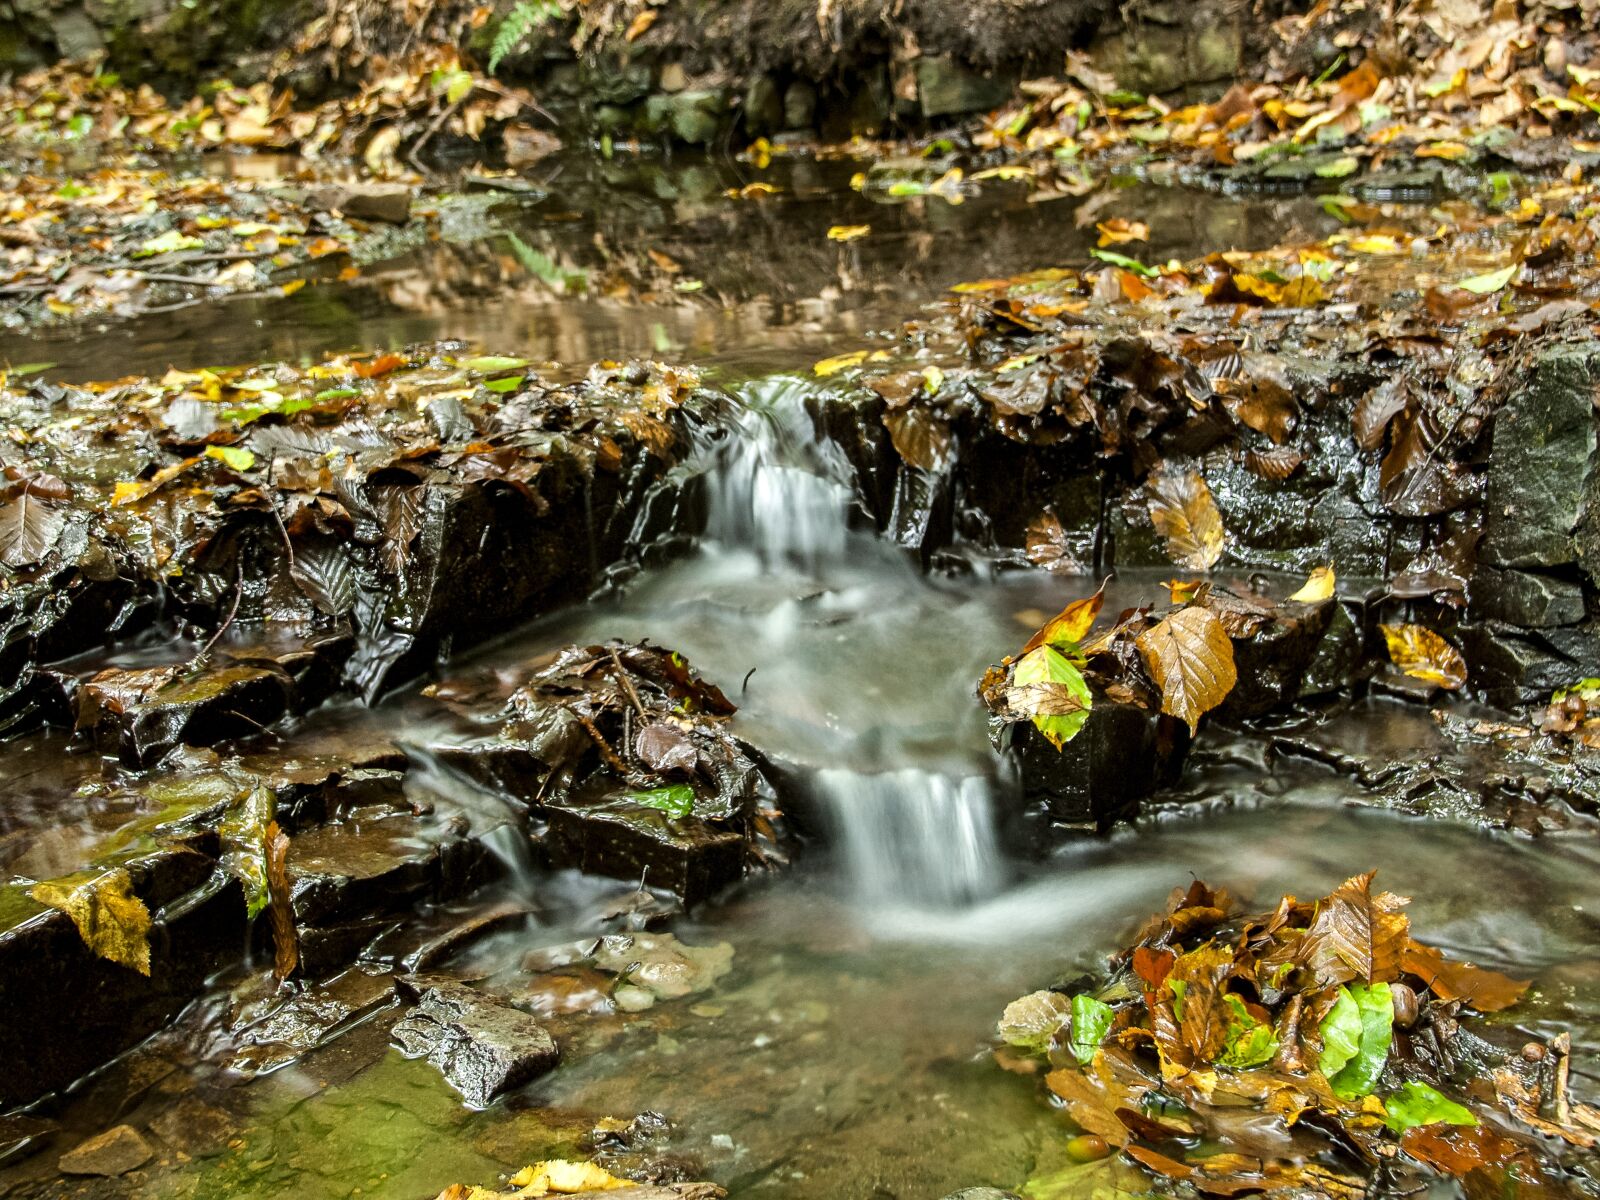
433 128
627 684
238 594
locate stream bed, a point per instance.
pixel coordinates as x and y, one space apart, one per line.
846 1052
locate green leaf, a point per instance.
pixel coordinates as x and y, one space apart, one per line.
167 243
236 457
1249 1042
1418 1104
677 800
1356 1035
1483 285
1123 261
491 363
244 845
1340 167
1091 1021
1030 1023
507 383
27 369
1047 665
336 393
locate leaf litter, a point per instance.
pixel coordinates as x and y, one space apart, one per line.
1315 1048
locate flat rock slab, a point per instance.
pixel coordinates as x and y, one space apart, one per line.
114 1152
482 1047
686 855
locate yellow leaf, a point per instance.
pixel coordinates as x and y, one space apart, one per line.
848 233
1068 627
293 286
1182 590
1254 285
1191 658
112 921
1423 654
839 362
563 1177
642 22
237 458
1116 231
1376 243
1319 586
1303 291
1447 150
1185 515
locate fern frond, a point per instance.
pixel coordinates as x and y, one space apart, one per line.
525 16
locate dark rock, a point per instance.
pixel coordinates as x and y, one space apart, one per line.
1416 186
482 1047
619 84
1121 755
138 715
946 87
307 1020
114 1152
615 837
696 116
195 1128
1339 658
1525 598
1540 466
1272 664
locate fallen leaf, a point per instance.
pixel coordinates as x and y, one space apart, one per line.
1191 659
1069 626
839 362
1423 654
1484 990
29 529
1186 516
848 233
1493 281
1356 935
1319 586
280 906
113 922
1058 684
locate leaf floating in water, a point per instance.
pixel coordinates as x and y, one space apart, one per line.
848 233
1191 659
1418 1104
112 921
1319 586
1485 990
839 362
1487 284
1029 1023
1423 654
1185 515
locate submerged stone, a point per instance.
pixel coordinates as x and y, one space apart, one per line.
482 1047
114 1152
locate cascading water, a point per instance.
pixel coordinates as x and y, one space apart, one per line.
908 834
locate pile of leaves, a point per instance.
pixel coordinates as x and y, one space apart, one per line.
629 724
397 109
1317 1049
287 494
122 241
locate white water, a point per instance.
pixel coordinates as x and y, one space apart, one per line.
907 837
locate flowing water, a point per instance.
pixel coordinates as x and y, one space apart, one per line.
846 1055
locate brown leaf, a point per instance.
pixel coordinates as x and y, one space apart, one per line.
664 747
1423 654
1457 1149
1201 977
280 909
1276 464
1185 515
1071 624
1152 965
1191 659
29 528
1487 991
921 438
1355 935
1047 545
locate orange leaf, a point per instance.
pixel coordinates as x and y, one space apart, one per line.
1068 627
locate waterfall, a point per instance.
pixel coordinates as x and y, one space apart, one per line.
913 839
774 489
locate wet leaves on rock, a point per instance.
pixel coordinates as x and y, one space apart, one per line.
1186 517
113 922
1191 659
1423 654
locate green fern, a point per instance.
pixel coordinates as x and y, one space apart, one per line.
525 16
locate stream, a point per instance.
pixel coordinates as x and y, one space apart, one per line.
847 1052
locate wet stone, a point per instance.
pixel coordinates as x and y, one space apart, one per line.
482 1047
623 840
138 715
195 1128
390 203
946 86
1525 598
114 1152
308 1020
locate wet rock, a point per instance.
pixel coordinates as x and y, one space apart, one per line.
114 1152
525 145
390 203
762 110
1121 755
22 1135
1273 662
946 86
799 105
305 1021
657 966
1417 185
195 1128
626 840
1525 598
138 715
1540 467
482 1047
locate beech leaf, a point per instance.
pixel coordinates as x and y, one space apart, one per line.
1418 1104
1423 654
1191 659
1185 515
1356 935
1042 667
112 921
1319 586
1029 1023
1485 990
1356 1035
1068 627
29 528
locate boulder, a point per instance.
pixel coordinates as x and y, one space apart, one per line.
688 855
947 87
482 1047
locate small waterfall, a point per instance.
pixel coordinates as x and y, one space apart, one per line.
774 489
913 839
